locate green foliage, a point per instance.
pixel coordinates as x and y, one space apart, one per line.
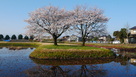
1 36
20 36
13 37
7 37
121 35
26 37
116 34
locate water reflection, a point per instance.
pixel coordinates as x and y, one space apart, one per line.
129 53
16 63
61 71
71 68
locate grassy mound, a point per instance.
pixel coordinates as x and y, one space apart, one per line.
69 52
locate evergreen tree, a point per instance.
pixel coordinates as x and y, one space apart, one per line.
31 37
7 37
20 36
26 37
13 37
121 35
1 36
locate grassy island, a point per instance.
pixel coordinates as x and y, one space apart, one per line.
69 52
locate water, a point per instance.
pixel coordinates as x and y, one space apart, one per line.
16 63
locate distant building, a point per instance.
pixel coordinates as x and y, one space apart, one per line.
72 38
65 38
47 37
103 39
132 37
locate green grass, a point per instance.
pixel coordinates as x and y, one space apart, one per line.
127 46
67 47
69 52
18 44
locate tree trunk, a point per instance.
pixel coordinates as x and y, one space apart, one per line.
83 41
55 40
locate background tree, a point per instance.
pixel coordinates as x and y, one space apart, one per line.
26 37
20 36
127 26
31 37
7 37
122 35
33 31
116 34
52 20
1 37
13 37
89 21
95 38
109 38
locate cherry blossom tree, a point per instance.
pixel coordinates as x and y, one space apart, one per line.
52 20
36 32
88 21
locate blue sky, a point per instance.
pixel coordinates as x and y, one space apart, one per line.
14 12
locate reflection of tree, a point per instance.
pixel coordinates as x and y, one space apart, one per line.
16 48
91 71
53 71
57 71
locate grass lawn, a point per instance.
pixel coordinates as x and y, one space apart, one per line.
19 44
119 46
69 52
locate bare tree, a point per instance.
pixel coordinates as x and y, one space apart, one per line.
88 21
53 20
127 26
